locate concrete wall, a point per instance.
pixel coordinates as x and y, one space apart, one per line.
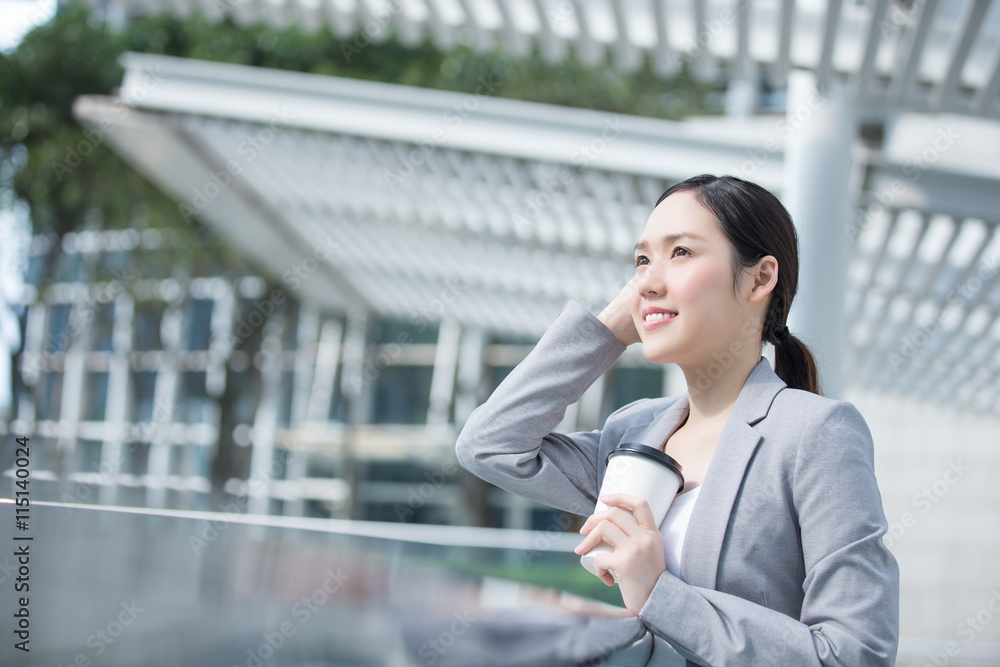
939 473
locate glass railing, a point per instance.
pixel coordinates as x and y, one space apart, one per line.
142 588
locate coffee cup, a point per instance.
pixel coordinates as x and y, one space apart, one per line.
642 471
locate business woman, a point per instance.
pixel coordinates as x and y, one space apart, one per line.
777 558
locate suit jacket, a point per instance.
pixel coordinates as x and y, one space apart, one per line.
783 562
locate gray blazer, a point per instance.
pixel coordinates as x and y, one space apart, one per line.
783 562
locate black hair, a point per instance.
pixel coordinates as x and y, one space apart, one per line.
757 224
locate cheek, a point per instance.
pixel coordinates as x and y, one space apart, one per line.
701 285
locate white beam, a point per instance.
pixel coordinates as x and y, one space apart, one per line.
969 24
499 127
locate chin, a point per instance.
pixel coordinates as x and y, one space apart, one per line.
657 354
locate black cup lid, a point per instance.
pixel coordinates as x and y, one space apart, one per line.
649 452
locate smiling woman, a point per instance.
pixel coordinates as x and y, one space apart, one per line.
783 560
702 233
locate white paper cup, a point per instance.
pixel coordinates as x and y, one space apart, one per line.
642 471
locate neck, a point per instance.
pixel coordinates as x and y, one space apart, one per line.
712 396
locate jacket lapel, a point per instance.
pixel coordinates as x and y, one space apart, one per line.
652 432
737 444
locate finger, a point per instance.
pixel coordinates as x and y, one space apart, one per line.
588 542
622 518
597 517
603 565
606 532
639 508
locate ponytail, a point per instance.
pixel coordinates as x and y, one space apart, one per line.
795 365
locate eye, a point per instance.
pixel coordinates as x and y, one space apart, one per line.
639 258
680 248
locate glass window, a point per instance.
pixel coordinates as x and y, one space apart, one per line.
177 455
69 267
57 328
550 520
414 330
243 401
102 324
36 265
497 375
143 386
88 455
290 331
631 384
95 397
285 395
498 517
393 471
199 323
136 459
146 325
427 513
114 264
502 338
337 411
195 405
402 395
48 395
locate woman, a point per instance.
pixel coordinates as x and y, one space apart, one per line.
782 561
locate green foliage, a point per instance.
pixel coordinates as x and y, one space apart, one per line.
569 577
556 572
42 160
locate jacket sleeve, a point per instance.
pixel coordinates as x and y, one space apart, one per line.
508 440
850 610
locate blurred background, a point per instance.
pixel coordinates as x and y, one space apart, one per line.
264 257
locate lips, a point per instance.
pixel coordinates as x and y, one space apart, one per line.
654 309
653 316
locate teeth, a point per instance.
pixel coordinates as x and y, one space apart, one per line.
659 316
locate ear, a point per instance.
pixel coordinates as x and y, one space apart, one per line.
764 277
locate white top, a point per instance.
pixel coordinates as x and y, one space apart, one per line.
674 528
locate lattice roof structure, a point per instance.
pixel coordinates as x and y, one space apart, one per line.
493 212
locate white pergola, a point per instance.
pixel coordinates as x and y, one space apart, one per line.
928 55
489 213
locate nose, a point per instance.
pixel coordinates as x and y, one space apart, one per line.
649 281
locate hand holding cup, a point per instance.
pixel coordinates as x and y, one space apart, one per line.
639 470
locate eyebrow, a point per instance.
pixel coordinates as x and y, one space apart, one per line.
668 239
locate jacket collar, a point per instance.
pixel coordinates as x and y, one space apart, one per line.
737 444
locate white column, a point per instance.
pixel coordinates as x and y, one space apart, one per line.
589 414
674 382
357 389
470 372
74 377
220 345
164 408
443 379
265 420
116 415
327 359
518 512
818 195
303 380
743 92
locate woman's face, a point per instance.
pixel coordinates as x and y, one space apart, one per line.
683 267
